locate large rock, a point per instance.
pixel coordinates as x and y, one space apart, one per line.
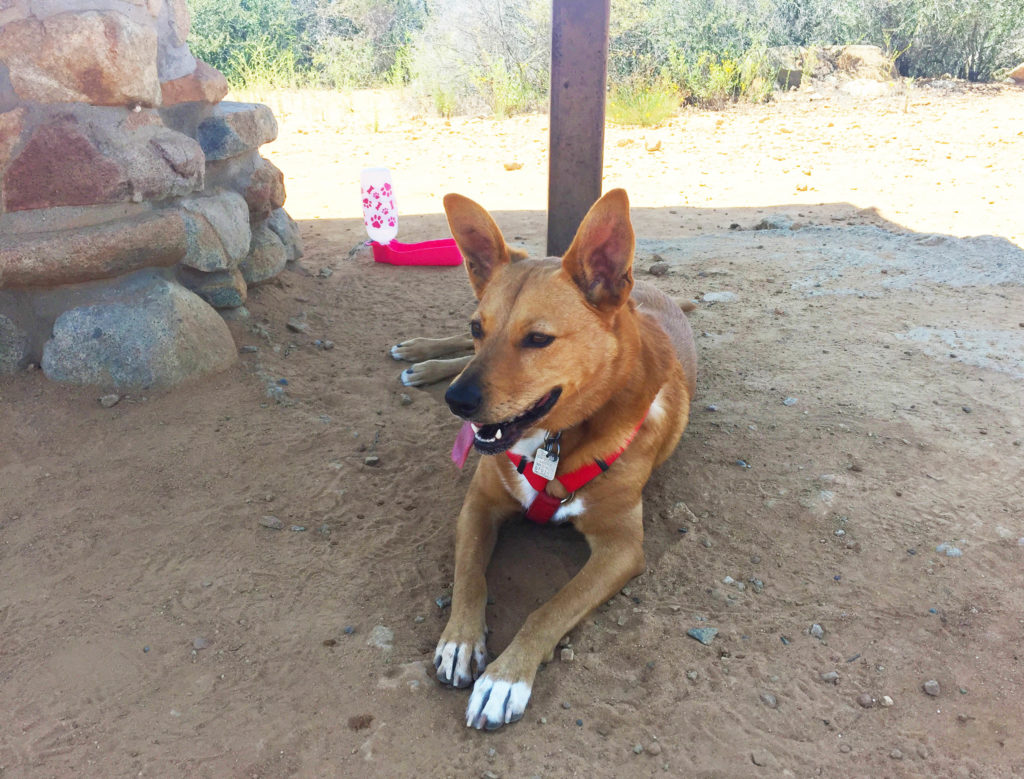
221 289
866 62
204 84
14 346
267 256
258 180
1017 74
235 128
102 251
98 57
146 331
218 231
12 10
87 156
288 231
11 124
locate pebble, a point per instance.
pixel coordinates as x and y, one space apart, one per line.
443 601
297 324
844 748
658 269
887 701
249 350
200 643
566 705
704 635
638 748
271 522
743 464
817 631
373 460
692 675
949 550
831 677
931 687
325 273
789 402
769 700
145 649
109 401
762 757
348 630
896 754
706 543
405 400
297 529
865 700
567 655
579 723
419 619
654 748
711 407
758 585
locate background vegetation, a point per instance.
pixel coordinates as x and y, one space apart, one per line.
492 55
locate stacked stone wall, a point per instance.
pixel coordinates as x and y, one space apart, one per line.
134 203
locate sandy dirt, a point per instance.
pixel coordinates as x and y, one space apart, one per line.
860 404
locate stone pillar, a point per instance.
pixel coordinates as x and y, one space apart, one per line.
134 204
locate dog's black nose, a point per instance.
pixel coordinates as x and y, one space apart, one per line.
464 398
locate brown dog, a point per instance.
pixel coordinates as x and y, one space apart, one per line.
579 377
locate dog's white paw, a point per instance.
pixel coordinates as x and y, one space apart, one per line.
496 702
396 352
458 664
411 377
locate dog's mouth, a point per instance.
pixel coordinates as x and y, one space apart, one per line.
499 436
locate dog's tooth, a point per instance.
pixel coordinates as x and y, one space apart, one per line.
476 427
497 434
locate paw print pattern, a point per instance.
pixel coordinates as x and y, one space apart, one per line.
380 215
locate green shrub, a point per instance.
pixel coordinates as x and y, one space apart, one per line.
639 102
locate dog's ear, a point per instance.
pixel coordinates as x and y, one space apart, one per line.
479 239
600 259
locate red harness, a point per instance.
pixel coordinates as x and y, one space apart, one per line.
544 506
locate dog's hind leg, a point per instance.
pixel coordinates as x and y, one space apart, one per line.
420 349
433 370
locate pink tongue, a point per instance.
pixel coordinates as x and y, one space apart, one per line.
463 443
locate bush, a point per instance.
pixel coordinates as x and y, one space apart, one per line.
641 103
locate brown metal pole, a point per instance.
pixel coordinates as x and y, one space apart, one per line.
579 71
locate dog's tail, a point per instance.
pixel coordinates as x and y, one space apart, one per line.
685 304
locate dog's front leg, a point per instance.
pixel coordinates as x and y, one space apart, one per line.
461 654
616 555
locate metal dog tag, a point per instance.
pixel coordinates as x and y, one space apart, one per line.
545 464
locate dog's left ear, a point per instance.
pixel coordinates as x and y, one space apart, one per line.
478 238
600 259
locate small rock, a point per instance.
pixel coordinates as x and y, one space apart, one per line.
769 700
711 407
817 631
297 529
762 757
109 401
510 166
692 675
719 297
348 630
658 269
200 643
145 649
844 748
327 345
271 522
743 464
830 677
566 705
638 748
405 400
789 402
654 748
887 701
931 687
381 637
373 460
325 273
249 350
896 754
443 601
567 655
949 550
297 324
704 635
865 700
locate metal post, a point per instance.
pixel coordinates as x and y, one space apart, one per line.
579 71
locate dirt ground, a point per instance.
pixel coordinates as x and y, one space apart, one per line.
860 404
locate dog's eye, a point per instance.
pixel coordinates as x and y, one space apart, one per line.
538 340
475 329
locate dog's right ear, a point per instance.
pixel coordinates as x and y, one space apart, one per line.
479 239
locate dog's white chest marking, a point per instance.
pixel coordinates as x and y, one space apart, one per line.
519 488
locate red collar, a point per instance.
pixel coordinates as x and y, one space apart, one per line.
544 506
